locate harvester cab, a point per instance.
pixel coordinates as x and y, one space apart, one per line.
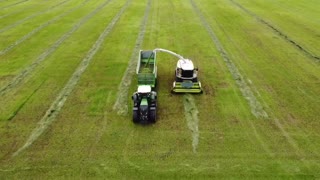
144 105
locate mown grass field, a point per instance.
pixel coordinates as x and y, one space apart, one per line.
67 76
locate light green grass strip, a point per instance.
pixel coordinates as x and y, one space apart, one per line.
57 105
14 4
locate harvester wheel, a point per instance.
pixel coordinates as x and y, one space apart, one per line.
176 77
135 116
153 117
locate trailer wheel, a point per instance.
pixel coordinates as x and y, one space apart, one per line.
135 116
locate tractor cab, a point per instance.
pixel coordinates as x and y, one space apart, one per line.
144 105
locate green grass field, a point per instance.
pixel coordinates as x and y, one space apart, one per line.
67 76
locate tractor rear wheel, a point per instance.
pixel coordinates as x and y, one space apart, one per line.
135 116
153 116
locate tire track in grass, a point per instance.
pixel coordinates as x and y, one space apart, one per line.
14 4
21 76
32 16
121 104
24 102
16 43
103 125
281 34
256 107
191 114
58 103
125 156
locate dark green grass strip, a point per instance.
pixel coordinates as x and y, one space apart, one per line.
32 16
25 37
281 34
21 76
12 13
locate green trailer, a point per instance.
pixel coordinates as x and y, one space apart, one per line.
145 98
147 69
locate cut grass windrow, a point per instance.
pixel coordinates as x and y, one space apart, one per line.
16 43
57 105
281 34
191 114
121 104
20 77
14 4
256 107
32 16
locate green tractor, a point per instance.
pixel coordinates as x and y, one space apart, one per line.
144 105
145 99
